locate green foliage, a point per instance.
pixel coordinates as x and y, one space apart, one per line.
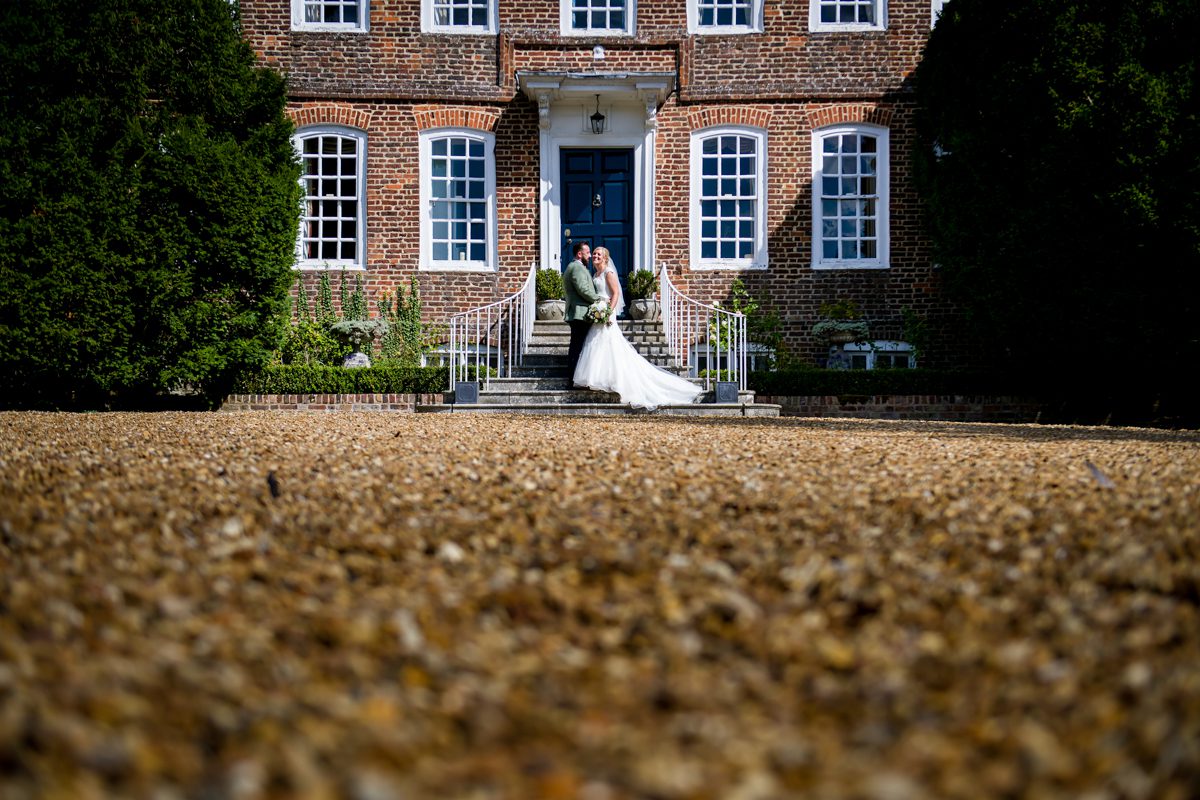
354 304
548 283
1059 163
309 339
763 325
642 285
843 308
406 337
149 200
914 329
307 343
326 316
827 329
358 334
325 379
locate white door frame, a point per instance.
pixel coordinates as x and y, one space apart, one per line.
630 105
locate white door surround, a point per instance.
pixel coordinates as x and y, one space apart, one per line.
566 101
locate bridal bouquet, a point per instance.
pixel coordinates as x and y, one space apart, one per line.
600 313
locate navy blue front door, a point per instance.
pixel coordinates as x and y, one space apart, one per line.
597 204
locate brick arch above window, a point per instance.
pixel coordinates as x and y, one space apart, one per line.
330 114
728 115
851 114
442 117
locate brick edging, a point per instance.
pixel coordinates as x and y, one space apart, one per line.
329 402
953 408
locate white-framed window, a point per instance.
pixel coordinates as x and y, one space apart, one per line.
728 198
850 197
880 354
937 11
333 218
597 17
459 16
725 16
329 15
847 15
458 200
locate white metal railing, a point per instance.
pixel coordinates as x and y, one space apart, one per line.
481 337
691 325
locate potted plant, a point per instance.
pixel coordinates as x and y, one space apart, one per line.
841 323
642 305
359 334
551 302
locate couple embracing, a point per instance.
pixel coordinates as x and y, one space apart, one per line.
600 357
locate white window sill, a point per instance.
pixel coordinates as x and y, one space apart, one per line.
608 34
846 28
454 267
728 264
459 31
329 266
831 265
328 28
725 31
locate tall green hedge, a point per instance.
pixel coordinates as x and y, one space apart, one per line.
321 379
149 201
1059 162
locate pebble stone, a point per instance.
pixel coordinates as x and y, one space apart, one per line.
367 605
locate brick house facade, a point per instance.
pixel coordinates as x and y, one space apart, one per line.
767 140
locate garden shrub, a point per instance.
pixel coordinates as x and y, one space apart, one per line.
149 201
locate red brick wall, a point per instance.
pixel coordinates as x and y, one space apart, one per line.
393 81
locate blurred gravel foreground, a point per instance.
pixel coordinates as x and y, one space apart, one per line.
380 606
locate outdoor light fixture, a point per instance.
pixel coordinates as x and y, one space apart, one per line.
597 118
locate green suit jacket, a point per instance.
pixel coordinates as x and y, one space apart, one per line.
581 293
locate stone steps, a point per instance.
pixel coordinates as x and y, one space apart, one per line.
606 409
540 386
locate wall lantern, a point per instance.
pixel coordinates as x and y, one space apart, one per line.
597 118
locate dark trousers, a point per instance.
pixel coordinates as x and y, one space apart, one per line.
579 332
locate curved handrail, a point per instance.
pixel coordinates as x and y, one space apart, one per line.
479 337
689 324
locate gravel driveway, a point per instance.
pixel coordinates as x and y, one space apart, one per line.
377 605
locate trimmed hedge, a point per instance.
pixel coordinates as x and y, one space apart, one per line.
321 379
838 382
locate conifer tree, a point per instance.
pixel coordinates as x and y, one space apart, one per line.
1061 161
148 201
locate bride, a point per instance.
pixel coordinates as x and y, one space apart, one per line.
609 363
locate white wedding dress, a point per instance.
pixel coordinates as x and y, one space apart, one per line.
609 363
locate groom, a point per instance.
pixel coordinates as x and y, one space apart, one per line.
577 281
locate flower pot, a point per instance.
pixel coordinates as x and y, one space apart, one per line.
552 309
645 310
842 337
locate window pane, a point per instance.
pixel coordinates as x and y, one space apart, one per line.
731 156
331 209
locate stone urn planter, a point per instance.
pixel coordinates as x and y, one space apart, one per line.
645 310
552 310
841 331
359 334
551 294
642 305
